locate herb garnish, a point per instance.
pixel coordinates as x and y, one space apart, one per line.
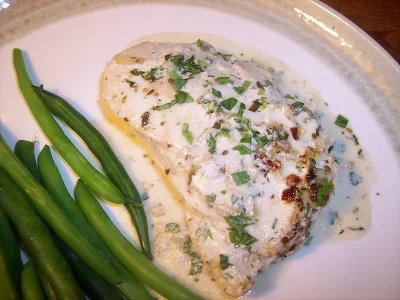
224 132
187 246
216 93
188 66
202 63
246 139
136 72
224 262
223 80
211 199
186 133
308 242
182 97
224 56
172 227
261 140
211 144
240 178
298 104
322 193
229 103
274 224
164 106
177 82
241 89
262 86
341 121
242 149
237 233
196 264
150 75
287 96
201 45
131 83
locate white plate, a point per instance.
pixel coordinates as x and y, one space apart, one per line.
352 73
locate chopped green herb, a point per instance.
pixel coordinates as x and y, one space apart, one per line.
186 133
341 121
242 149
223 262
206 83
201 45
188 66
172 227
182 97
312 161
224 56
229 103
290 97
173 75
237 232
150 75
211 106
211 199
261 140
246 139
262 86
224 132
356 142
164 106
298 104
178 84
323 192
223 80
223 192
187 246
216 93
240 178
356 210
308 206
131 83
241 89
196 264
136 72
239 220
202 63
355 179
274 224
211 144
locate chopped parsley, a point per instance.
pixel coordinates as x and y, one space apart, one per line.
323 192
211 106
229 103
356 142
240 178
164 106
308 242
216 93
246 139
290 97
355 179
241 89
187 246
172 227
201 45
341 121
202 63
224 132
150 75
188 66
186 133
136 72
131 83
356 210
211 144
224 56
196 264
223 80
262 86
177 82
242 149
182 97
298 104
261 140
211 199
274 224
223 262
237 233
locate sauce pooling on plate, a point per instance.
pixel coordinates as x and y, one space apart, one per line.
187 238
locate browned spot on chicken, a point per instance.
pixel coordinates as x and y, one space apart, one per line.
272 164
145 118
293 130
289 194
126 119
292 180
285 240
145 90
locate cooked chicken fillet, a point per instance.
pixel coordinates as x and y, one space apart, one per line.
250 162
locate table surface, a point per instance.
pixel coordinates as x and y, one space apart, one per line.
379 18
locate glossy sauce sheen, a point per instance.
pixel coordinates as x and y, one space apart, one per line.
348 210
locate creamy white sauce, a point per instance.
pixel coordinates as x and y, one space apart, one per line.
164 206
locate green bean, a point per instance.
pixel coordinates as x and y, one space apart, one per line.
25 151
30 283
133 260
96 181
53 215
37 239
92 283
130 287
10 260
99 146
47 288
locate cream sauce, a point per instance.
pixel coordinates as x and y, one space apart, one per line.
349 208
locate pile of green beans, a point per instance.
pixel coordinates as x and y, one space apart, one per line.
31 287
53 215
101 149
10 260
37 239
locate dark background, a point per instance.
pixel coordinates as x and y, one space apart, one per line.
379 18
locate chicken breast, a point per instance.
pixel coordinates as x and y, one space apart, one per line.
250 163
